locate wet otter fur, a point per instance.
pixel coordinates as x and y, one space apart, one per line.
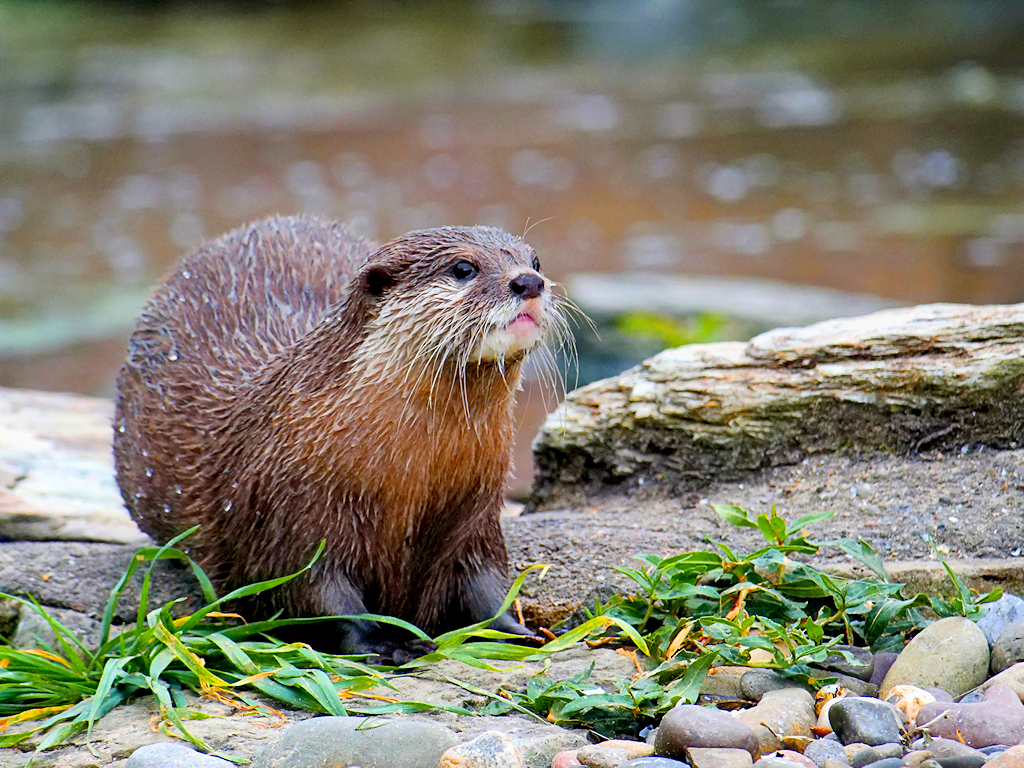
290 383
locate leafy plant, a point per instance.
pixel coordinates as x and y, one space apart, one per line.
669 331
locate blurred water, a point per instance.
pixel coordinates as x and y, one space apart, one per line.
870 146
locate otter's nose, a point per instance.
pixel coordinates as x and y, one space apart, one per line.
527 286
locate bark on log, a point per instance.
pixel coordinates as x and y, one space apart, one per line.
921 378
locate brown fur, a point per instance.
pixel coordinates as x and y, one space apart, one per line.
276 392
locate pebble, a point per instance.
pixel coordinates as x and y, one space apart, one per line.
886 762
869 721
909 699
331 740
830 763
1011 758
1008 649
789 712
883 663
757 682
687 725
951 654
170 754
793 756
940 748
490 749
657 762
776 762
962 761
1008 609
566 759
869 755
861 665
1011 677
710 757
997 719
820 750
915 758
613 753
724 681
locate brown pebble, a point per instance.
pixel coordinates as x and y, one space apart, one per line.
1011 758
795 757
719 757
915 758
566 759
610 754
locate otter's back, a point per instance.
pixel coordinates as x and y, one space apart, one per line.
208 329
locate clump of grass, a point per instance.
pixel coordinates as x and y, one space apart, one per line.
712 607
66 689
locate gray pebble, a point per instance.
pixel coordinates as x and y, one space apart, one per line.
172 754
870 755
653 762
861 665
1009 648
323 742
820 750
886 762
1008 609
757 682
870 721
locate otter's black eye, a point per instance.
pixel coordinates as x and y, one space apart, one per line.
464 270
535 264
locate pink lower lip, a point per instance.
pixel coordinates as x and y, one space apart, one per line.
521 321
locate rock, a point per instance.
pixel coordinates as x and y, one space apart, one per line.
612 753
787 712
855 686
719 410
886 762
869 721
1012 677
58 447
794 757
830 763
491 749
915 758
711 757
951 654
820 750
1008 648
852 749
1011 758
1008 609
883 663
725 682
171 754
755 683
943 748
656 762
687 726
909 699
962 761
324 742
566 759
771 761
861 664
870 755
997 719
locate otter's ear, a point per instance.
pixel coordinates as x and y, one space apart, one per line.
378 279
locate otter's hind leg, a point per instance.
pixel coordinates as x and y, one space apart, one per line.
338 596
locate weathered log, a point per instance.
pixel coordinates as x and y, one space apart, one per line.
921 378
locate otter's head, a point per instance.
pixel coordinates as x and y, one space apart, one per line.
459 295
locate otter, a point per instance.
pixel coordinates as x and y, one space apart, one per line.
290 383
